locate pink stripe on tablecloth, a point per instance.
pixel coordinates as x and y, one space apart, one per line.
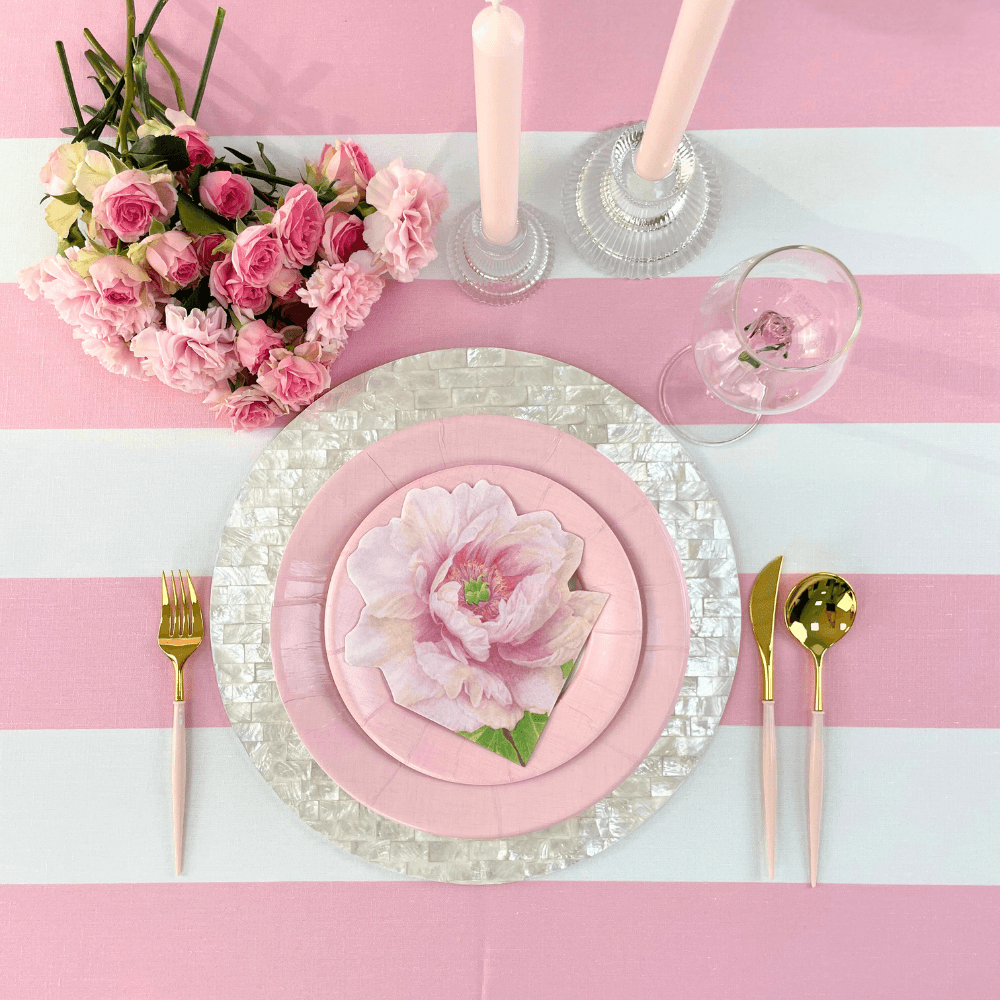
394 67
69 675
900 369
613 941
923 654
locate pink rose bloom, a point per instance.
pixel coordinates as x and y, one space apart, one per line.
172 256
410 204
468 612
341 296
299 225
131 200
205 248
227 286
227 194
343 234
196 140
125 303
257 256
115 355
248 408
295 378
346 165
285 284
254 342
59 169
191 351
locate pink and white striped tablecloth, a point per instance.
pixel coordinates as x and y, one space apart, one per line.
871 129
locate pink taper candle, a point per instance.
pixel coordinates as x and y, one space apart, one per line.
498 56
696 36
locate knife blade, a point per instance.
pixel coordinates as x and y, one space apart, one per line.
763 608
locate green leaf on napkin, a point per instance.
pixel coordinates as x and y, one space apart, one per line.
525 734
493 739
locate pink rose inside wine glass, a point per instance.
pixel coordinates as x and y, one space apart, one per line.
772 335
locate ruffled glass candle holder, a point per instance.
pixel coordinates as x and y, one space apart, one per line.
631 227
500 274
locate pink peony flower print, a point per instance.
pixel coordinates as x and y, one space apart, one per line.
225 193
257 255
248 408
298 224
468 612
227 286
295 378
172 256
409 206
343 234
131 200
254 342
346 165
341 296
192 351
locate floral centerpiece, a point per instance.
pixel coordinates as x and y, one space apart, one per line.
218 276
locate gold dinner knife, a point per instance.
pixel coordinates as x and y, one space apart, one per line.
763 605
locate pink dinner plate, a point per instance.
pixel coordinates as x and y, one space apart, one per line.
315 707
594 692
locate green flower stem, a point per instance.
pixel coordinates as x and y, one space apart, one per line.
239 168
110 66
64 62
171 72
220 16
129 77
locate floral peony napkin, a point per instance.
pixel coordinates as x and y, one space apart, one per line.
469 615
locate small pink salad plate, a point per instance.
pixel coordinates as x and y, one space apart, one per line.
317 709
592 696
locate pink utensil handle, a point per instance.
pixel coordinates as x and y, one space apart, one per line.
769 782
179 782
815 793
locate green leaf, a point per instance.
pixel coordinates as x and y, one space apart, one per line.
269 166
264 217
248 160
525 734
196 220
169 149
567 668
240 226
70 198
364 209
493 739
155 228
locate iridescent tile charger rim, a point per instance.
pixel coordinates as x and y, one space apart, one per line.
400 394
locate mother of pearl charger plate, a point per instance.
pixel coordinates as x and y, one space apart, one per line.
407 392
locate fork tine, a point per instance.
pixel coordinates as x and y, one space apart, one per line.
175 623
165 613
199 625
186 601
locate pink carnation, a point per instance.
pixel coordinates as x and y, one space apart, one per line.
172 256
257 255
341 296
227 194
299 225
227 286
196 140
343 234
191 351
409 206
346 165
254 342
115 354
295 378
248 408
129 202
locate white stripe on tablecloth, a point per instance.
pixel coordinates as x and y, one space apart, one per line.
885 200
909 806
868 498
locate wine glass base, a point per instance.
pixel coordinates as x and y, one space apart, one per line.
695 413
494 274
633 228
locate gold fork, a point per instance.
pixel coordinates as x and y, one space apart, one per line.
181 632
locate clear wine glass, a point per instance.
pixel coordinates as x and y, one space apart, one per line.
773 335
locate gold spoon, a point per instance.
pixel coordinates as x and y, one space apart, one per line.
819 612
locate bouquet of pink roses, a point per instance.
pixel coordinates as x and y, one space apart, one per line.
217 276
